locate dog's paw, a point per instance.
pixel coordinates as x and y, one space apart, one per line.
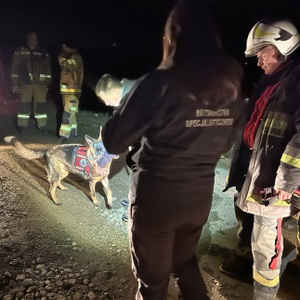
96 202
108 206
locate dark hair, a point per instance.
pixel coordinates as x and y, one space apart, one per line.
69 42
197 31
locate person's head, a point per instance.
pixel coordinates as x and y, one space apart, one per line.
190 33
272 42
31 39
109 89
69 46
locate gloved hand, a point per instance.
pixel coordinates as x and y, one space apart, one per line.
15 89
295 198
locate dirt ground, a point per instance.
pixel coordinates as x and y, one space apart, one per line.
79 251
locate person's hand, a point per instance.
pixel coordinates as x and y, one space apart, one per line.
15 89
282 195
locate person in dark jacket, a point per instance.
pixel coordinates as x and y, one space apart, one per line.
31 78
265 167
185 112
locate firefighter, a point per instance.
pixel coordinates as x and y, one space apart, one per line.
265 167
31 78
71 78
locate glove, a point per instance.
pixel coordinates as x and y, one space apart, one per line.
295 199
15 89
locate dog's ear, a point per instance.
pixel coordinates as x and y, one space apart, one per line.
100 134
89 140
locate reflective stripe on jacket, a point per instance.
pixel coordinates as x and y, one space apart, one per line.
274 160
71 75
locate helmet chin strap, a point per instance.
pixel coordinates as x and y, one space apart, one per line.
282 57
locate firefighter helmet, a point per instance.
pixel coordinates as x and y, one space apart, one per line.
282 34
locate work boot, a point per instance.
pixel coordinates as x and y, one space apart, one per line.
62 140
42 129
237 266
293 267
261 292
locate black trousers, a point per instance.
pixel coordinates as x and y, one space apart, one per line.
165 225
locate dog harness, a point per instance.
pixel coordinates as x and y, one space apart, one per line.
84 166
81 163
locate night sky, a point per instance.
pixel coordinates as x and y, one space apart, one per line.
124 36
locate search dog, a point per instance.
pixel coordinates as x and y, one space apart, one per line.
90 162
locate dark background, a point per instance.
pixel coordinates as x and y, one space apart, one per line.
123 37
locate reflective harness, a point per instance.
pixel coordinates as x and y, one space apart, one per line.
84 167
81 162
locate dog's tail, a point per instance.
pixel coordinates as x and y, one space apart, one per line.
22 150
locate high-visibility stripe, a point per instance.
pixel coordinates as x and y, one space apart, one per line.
70 90
290 160
275 127
264 281
23 116
14 75
65 127
256 198
292 151
22 52
74 126
72 61
41 116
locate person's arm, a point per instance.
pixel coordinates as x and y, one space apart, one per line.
48 72
132 118
288 174
62 59
14 74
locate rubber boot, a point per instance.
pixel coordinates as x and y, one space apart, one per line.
261 292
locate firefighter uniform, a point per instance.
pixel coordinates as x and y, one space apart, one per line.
267 154
31 72
71 78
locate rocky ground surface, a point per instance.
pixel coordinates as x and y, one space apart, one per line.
79 251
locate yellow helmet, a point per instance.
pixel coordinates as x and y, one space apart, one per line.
282 34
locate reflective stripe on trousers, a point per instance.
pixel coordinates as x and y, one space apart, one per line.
69 121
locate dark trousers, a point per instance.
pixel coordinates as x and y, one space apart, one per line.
165 223
244 230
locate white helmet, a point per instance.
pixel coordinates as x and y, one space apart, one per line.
282 34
